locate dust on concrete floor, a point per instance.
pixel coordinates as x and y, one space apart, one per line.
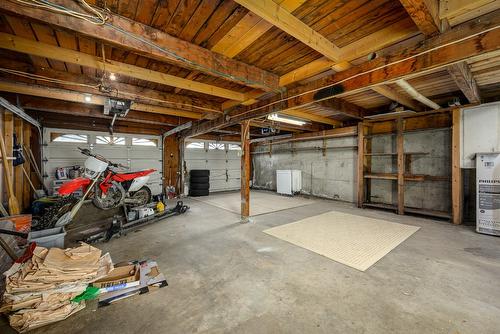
225 277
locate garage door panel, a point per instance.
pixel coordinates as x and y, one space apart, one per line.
224 166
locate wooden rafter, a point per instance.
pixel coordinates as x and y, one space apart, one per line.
461 74
393 95
155 43
283 19
416 95
19 44
461 42
73 96
425 15
344 107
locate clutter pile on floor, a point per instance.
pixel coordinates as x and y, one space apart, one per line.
48 285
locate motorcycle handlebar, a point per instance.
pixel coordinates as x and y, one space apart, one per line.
86 151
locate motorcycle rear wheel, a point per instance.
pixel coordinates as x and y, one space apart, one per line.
142 196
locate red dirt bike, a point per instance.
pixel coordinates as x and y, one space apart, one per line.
107 188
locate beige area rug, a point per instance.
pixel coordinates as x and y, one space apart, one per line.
356 241
261 202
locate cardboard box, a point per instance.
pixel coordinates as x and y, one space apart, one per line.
119 278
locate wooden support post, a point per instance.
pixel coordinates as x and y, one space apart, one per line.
456 173
171 162
361 164
27 191
245 171
8 130
401 165
18 170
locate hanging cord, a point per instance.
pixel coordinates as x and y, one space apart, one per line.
97 17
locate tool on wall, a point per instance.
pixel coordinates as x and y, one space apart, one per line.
13 203
32 161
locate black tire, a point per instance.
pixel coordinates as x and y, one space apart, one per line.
199 172
199 186
199 179
196 193
144 194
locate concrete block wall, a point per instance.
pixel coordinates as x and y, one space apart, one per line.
333 176
330 176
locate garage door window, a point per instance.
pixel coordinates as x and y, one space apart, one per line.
68 138
234 147
144 142
215 146
110 140
196 145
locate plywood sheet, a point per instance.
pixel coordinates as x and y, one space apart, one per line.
261 202
356 241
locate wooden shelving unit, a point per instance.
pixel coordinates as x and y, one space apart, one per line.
365 174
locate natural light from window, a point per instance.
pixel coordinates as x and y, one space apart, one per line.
196 145
69 138
110 140
144 142
215 146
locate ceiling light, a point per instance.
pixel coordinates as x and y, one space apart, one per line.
112 77
88 98
279 118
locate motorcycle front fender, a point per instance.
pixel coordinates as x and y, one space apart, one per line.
73 185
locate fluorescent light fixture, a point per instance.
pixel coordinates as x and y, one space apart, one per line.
87 98
280 118
112 76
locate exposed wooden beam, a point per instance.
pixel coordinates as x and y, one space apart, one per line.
283 19
245 171
393 95
461 74
451 8
72 96
248 30
19 44
311 117
154 43
416 95
344 107
362 47
425 14
459 43
118 89
456 172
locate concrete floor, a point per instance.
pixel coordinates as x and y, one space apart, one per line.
225 277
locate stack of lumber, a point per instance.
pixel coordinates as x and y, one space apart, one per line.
39 291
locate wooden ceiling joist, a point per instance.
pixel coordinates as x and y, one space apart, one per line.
284 20
23 45
311 117
425 14
153 43
74 96
393 95
416 95
473 38
344 107
463 77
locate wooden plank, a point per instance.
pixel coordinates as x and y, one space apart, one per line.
401 165
27 191
18 171
8 128
416 95
456 172
249 29
391 94
72 96
19 44
245 171
361 165
425 14
311 117
463 77
344 107
283 19
452 8
155 43
171 162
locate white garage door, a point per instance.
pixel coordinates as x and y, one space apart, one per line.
137 152
221 158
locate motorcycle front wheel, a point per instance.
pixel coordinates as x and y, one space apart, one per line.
113 197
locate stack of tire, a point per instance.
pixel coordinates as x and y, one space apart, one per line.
199 182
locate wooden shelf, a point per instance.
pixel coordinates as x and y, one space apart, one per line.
395 153
419 211
407 177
